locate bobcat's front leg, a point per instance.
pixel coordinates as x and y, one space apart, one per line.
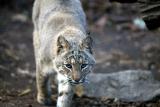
43 88
65 92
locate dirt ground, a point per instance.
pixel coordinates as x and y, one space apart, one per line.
119 45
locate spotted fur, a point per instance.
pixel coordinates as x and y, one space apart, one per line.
62 47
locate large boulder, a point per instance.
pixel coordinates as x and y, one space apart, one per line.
129 85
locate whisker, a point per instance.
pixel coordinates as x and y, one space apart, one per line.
72 83
65 82
69 80
87 81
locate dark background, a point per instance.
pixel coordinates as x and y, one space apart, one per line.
118 45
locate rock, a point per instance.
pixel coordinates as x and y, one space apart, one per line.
129 85
139 23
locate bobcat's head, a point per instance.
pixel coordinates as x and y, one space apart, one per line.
74 59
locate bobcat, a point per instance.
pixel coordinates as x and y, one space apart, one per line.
62 48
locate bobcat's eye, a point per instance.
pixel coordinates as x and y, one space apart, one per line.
83 66
69 66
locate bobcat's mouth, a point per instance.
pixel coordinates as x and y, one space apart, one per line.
73 82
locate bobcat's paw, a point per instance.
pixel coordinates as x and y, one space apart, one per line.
44 100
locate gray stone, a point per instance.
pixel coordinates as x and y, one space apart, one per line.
130 85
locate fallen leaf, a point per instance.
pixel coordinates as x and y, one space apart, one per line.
25 92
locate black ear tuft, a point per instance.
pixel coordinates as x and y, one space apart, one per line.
62 45
88 33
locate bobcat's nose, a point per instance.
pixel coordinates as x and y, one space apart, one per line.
76 75
76 79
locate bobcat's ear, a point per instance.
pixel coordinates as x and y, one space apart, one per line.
87 44
62 45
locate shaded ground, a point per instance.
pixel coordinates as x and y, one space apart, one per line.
119 45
